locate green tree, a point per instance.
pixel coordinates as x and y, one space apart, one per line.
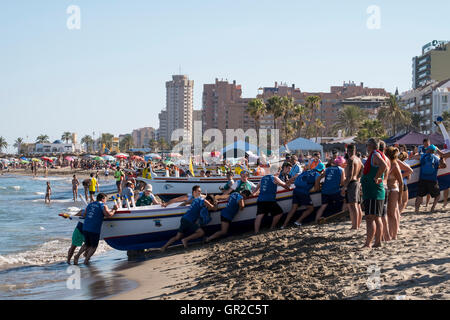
312 106
126 143
18 143
256 109
153 144
370 129
394 115
66 136
416 119
275 108
88 141
349 119
3 144
298 118
446 118
107 140
43 138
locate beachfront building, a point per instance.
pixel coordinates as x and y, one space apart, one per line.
429 101
179 108
370 104
143 136
224 108
433 64
58 147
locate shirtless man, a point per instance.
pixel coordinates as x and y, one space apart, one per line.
352 186
75 184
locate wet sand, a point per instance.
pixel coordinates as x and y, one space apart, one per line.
314 262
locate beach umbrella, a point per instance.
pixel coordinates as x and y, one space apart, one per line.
137 158
99 159
121 156
215 154
24 158
68 158
35 160
24 161
174 155
47 159
108 158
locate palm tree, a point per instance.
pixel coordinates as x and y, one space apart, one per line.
18 143
370 129
66 136
318 125
256 109
394 115
275 108
446 118
43 138
416 119
127 143
349 119
88 141
312 105
107 139
153 144
163 145
298 116
3 144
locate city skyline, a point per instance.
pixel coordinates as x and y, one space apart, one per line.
110 75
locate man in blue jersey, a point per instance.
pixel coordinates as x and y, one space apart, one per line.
188 222
428 182
304 183
267 203
234 205
92 226
331 188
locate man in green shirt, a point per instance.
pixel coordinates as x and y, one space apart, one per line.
147 198
374 192
118 175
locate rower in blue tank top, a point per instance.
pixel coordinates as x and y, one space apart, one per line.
267 203
235 203
331 188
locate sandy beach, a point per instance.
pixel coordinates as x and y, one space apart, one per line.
314 262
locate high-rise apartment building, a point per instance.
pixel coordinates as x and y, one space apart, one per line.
433 64
179 108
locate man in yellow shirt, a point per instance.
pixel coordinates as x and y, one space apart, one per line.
93 185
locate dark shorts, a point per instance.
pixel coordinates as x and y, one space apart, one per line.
187 227
373 207
91 239
331 198
223 219
426 187
91 192
268 207
302 199
118 183
353 193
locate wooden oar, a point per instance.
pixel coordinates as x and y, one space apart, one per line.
332 217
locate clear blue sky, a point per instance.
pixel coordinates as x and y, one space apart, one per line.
110 75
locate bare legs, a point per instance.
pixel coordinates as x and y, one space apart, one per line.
444 206
290 214
197 234
392 214
355 215
374 229
223 231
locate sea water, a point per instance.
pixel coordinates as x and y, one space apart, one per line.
34 242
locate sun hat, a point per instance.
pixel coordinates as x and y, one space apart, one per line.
339 161
148 188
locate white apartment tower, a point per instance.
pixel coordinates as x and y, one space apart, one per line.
179 106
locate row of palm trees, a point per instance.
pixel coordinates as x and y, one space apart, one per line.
303 121
295 119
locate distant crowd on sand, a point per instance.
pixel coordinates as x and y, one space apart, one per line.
375 183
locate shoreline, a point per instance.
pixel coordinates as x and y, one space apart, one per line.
314 262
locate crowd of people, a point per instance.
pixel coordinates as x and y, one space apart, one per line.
375 183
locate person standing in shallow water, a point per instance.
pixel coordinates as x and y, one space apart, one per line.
373 193
48 192
75 184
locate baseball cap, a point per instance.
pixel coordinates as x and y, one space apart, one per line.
320 167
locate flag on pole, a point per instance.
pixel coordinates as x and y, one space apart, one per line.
191 167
